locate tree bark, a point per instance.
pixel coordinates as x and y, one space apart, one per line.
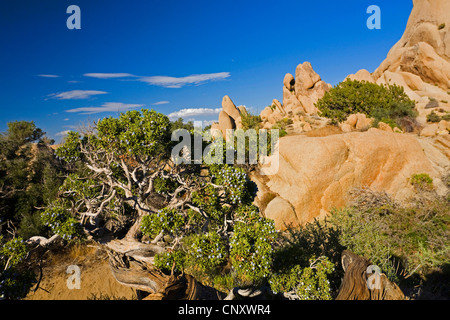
355 286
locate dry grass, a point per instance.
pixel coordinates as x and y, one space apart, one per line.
75 253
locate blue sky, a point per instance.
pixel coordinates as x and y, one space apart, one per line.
177 57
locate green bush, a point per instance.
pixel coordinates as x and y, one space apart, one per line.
422 181
169 259
250 121
401 240
373 100
207 251
15 279
308 283
13 252
297 249
60 222
165 220
433 117
251 247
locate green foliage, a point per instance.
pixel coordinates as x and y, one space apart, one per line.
446 116
70 150
306 283
179 124
60 222
136 133
398 239
421 181
235 182
169 259
433 117
80 188
165 220
164 186
208 200
15 281
377 101
207 251
139 133
29 176
251 246
250 121
13 252
298 248
282 126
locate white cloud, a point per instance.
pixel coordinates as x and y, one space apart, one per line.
164 81
160 103
106 107
76 94
62 133
194 112
174 82
108 75
48 75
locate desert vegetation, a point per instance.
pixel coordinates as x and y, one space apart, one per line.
385 103
118 181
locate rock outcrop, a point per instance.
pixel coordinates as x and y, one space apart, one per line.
318 167
316 173
300 94
230 117
420 60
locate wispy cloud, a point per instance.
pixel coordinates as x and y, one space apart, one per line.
106 107
178 82
160 103
75 94
48 76
108 75
62 133
164 81
194 112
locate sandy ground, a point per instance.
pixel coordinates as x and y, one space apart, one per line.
96 279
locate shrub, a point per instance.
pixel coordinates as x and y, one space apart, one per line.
422 181
60 222
307 263
433 117
250 121
401 240
15 279
207 251
282 126
13 252
164 220
251 246
308 283
446 117
373 100
169 259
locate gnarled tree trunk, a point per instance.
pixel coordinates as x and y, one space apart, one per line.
131 264
357 283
